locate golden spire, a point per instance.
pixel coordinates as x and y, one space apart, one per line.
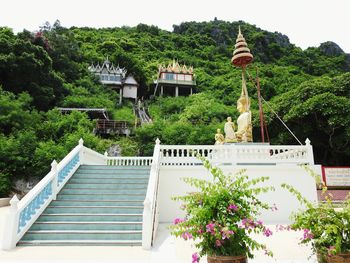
241 54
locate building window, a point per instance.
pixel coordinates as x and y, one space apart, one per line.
181 77
188 77
169 76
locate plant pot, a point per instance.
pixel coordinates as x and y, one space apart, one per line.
5 201
227 259
339 258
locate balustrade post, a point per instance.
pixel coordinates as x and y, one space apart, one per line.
106 157
81 151
54 179
309 152
11 226
147 225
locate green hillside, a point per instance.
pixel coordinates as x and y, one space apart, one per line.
309 89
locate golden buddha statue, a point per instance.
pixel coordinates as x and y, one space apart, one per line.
219 137
244 122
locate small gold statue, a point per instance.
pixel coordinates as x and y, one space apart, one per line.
219 137
229 129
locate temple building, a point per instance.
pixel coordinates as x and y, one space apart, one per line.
174 80
116 78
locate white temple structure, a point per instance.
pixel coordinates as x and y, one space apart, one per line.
116 78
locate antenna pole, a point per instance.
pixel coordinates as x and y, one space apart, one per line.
260 107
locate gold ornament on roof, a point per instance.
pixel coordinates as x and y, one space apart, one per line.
175 67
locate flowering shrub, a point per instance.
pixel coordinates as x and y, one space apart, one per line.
326 226
221 215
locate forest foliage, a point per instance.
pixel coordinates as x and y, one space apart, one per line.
309 89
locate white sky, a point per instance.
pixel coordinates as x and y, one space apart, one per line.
305 22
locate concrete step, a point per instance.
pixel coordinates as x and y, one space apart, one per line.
83 235
98 180
105 186
103 176
80 243
97 203
114 167
94 209
71 225
89 217
96 191
101 197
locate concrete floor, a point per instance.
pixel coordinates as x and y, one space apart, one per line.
166 249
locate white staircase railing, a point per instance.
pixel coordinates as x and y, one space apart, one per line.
129 161
150 213
182 155
24 213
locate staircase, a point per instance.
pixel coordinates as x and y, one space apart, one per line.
99 205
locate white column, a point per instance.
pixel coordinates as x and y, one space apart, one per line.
81 151
310 153
191 91
120 95
11 225
176 91
55 179
161 91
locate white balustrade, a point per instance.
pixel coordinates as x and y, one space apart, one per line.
129 161
180 155
150 210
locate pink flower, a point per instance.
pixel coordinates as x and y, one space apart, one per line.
200 231
178 220
226 233
210 228
331 250
248 223
232 207
259 222
218 243
186 236
267 232
195 258
307 234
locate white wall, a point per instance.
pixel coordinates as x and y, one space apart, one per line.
129 91
170 184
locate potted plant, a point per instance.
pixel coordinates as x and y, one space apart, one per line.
325 225
221 215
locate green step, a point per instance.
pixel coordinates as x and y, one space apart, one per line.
106 185
95 191
83 235
82 197
113 167
80 243
94 209
66 225
87 217
97 203
109 180
103 176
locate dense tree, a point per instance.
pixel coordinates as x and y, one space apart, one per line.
41 70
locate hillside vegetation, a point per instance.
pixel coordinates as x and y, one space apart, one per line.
309 89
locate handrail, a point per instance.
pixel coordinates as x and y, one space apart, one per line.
238 154
129 161
25 212
149 224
